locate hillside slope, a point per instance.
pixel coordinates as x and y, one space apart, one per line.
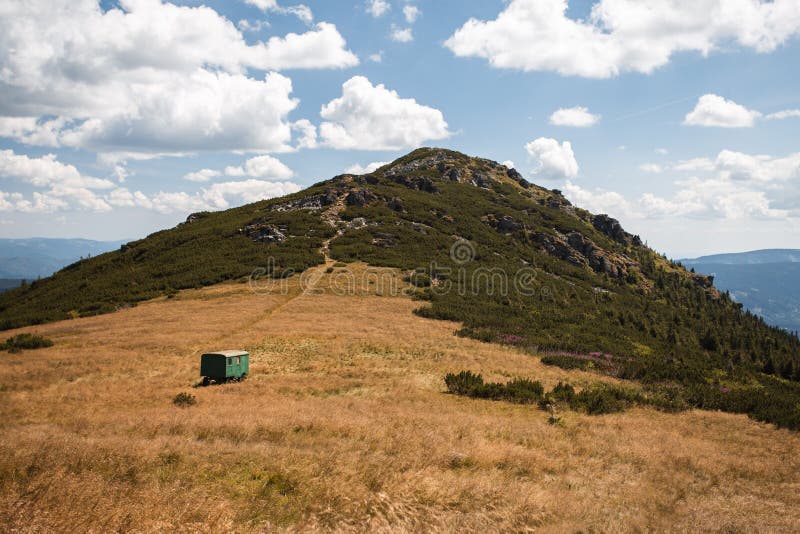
513 262
344 426
766 282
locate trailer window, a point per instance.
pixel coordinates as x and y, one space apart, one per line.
230 361
238 360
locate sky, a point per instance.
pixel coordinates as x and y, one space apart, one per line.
680 118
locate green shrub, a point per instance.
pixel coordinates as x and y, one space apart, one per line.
566 362
463 383
518 390
184 399
600 399
26 341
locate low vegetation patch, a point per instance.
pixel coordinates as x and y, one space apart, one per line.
26 342
519 390
184 399
596 399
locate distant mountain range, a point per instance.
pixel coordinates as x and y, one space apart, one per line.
41 257
766 282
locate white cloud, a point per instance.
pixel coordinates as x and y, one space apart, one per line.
759 168
370 167
714 110
220 196
401 35
368 117
377 8
598 201
252 25
694 164
47 171
264 167
308 134
64 183
149 77
739 187
621 35
653 168
261 167
377 57
555 160
785 114
578 117
411 13
508 164
123 198
662 151
203 175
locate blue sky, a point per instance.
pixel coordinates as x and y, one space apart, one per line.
679 118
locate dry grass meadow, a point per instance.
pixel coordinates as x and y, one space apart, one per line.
344 425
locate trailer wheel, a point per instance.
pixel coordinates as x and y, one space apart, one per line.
206 381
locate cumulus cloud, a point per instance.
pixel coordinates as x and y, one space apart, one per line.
47 171
578 117
301 11
368 168
377 8
731 186
264 167
401 35
621 35
220 196
149 76
65 185
598 200
654 168
203 175
554 160
714 110
411 13
372 117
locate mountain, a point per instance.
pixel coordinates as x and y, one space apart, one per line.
755 257
513 262
766 282
39 257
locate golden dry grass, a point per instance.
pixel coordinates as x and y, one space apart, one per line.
344 425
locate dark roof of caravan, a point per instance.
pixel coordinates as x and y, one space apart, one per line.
227 353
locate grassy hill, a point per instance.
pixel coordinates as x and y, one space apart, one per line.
345 425
514 263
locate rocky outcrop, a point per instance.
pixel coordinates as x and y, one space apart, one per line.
420 183
702 280
558 247
504 224
611 228
359 197
313 202
194 217
480 179
579 250
429 162
262 232
454 174
396 204
517 177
